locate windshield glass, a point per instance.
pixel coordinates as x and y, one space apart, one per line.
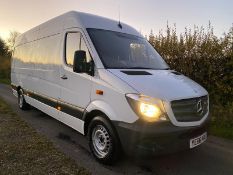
125 51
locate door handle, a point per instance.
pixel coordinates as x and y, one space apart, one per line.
64 77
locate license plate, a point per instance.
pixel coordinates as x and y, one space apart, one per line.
198 140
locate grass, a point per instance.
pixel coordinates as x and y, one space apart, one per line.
222 121
221 130
5 81
24 151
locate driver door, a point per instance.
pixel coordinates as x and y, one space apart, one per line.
75 87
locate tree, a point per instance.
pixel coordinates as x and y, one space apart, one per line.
4 61
3 48
11 40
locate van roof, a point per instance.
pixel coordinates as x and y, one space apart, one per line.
70 20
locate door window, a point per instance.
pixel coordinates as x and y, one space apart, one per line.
74 42
72 45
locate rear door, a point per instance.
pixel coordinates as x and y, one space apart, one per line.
75 87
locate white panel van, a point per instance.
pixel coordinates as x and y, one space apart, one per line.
104 79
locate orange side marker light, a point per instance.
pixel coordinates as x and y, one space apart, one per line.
99 92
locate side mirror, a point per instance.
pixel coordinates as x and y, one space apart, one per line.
79 64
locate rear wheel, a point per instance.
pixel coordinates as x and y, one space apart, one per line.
103 141
21 101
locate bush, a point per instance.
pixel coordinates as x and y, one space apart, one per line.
5 56
5 67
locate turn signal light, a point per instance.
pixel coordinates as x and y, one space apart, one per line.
99 92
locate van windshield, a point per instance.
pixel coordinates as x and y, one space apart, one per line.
124 51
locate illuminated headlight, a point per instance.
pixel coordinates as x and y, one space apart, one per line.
148 108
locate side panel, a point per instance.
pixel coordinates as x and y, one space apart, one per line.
53 112
45 77
22 65
67 119
37 71
37 66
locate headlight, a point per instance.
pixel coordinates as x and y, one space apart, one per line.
148 108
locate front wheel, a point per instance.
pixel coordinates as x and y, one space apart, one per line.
21 101
103 141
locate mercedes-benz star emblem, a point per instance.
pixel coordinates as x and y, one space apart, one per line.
199 106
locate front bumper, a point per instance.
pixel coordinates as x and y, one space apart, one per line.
146 139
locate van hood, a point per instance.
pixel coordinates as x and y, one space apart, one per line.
163 84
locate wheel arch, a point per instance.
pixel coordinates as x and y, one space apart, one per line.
88 116
96 108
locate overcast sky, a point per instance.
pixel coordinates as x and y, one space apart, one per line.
144 15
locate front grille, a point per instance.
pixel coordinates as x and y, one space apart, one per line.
188 110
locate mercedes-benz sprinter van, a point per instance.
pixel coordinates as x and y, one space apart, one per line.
104 79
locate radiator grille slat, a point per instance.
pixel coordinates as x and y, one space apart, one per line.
188 110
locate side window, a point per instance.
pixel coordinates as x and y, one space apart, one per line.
72 44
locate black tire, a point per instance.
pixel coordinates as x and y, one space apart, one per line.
21 101
101 130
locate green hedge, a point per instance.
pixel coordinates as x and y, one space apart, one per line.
5 55
5 66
